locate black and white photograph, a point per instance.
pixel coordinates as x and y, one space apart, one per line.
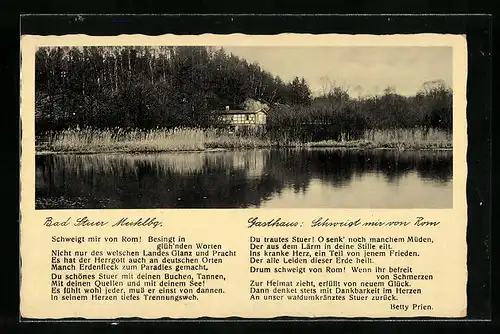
234 127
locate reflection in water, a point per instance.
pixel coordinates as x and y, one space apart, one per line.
253 178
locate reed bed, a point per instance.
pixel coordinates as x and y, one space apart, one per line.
409 139
401 139
193 139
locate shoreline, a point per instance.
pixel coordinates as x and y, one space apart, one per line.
90 141
211 150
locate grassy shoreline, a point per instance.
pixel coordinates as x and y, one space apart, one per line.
197 140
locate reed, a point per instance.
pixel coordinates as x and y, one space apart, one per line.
192 139
409 138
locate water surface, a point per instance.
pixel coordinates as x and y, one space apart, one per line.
286 178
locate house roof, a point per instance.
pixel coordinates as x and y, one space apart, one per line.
236 111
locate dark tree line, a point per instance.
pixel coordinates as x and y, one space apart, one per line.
149 87
170 86
336 115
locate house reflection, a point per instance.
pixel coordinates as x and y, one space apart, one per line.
233 179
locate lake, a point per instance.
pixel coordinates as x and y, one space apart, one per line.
284 178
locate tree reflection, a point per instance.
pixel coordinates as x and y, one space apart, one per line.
235 179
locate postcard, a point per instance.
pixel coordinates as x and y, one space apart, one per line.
290 175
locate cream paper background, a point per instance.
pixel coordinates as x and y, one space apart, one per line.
446 259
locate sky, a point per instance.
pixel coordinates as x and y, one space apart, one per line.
363 70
